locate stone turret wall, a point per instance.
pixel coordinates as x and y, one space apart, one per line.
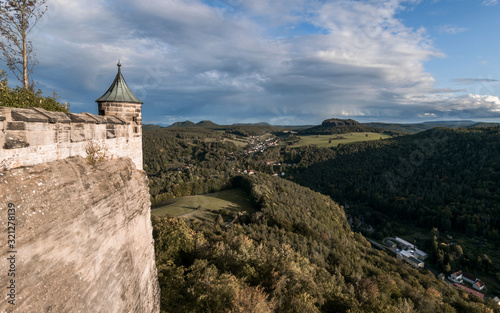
35 136
131 112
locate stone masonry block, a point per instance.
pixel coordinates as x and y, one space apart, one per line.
28 115
16 126
54 117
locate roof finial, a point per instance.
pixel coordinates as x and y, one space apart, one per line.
119 64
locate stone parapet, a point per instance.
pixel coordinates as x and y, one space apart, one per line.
34 136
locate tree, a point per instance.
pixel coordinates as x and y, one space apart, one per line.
17 20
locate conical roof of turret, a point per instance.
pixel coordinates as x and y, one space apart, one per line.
119 91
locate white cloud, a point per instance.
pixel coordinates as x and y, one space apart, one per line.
451 29
282 60
490 2
475 102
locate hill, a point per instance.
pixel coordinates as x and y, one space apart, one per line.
442 181
206 124
150 127
419 127
296 253
336 126
183 124
252 124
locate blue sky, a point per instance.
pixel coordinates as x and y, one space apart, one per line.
281 61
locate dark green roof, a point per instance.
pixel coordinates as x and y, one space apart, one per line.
119 91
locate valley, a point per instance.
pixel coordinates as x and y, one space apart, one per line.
202 178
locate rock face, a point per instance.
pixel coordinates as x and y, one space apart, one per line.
83 238
336 126
335 122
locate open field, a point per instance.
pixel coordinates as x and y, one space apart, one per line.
238 142
336 139
206 207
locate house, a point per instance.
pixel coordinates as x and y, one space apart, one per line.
479 285
456 277
469 278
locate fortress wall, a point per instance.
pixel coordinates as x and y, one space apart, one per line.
35 136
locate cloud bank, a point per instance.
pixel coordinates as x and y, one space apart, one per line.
283 61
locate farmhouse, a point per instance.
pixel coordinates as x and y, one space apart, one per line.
469 278
479 285
456 277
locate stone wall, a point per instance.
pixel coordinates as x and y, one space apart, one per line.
83 239
35 136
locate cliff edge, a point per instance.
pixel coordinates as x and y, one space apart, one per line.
82 240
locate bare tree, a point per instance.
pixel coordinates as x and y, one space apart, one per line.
17 19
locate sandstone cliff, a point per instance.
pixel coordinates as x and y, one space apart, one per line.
83 238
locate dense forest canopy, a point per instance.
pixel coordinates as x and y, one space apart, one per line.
444 178
295 254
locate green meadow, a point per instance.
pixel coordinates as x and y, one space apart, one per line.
227 203
336 139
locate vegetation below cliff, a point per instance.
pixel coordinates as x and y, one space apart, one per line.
295 254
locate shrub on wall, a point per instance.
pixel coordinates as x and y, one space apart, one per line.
20 98
96 152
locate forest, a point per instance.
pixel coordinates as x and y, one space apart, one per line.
296 253
443 179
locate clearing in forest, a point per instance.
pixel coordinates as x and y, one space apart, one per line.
336 139
227 203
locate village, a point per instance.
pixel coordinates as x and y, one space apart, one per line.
409 253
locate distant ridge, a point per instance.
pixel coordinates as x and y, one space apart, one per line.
252 124
206 123
183 124
420 127
485 124
336 126
150 126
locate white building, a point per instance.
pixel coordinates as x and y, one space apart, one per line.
421 254
403 243
456 277
408 257
479 285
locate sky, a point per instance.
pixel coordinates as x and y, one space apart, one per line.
285 62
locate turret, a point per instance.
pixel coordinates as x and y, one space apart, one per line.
120 101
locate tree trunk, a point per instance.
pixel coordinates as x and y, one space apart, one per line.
26 85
